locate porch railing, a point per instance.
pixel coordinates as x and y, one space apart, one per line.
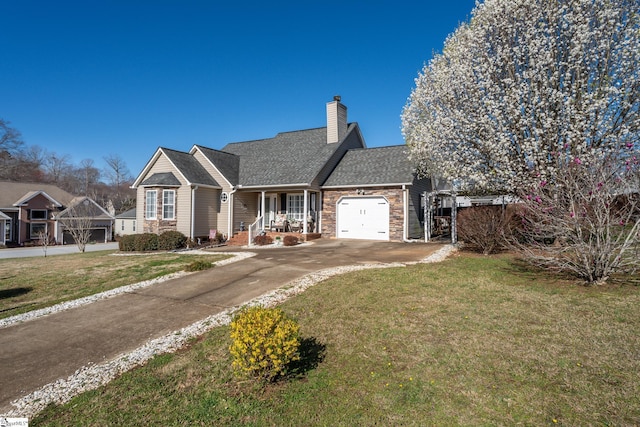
256 228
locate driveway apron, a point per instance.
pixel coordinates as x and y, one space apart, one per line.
40 351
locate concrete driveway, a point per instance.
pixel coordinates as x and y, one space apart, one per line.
40 351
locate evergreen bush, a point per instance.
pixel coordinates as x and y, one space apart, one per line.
171 240
146 242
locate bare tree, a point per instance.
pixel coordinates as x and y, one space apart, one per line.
10 142
43 239
77 220
88 174
586 223
119 179
10 138
56 167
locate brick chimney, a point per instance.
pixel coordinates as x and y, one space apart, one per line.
336 120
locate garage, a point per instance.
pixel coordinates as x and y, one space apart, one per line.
363 218
98 235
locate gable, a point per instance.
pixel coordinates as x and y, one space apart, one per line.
174 168
227 164
84 207
289 158
373 166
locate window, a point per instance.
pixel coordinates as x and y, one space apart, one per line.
151 205
38 214
134 225
7 231
168 204
36 228
122 225
295 206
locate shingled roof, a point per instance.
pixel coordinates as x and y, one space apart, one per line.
189 167
162 179
12 192
373 166
227 163
289 158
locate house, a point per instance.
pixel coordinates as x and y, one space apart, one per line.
3 228
84 213
33 208
325 180
125 223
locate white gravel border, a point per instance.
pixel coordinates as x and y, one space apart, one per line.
93 376
67 305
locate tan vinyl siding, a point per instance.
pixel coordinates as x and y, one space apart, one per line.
245 207
222 209
183 210
182 202
206 211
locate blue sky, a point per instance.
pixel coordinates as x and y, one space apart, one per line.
88 79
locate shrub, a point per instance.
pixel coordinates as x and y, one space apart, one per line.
483 228
219 239
198 265
290 240
170 240
265 342
262 239
127 243
146 242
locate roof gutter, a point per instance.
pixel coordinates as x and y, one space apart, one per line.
256 187
403 184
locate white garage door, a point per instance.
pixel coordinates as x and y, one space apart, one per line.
363 218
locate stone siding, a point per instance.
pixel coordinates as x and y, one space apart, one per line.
159 225
396 211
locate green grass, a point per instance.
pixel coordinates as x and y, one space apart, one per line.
470 341
31 283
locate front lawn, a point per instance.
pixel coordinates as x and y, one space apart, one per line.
470 341
31 283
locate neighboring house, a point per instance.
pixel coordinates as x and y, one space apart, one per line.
32 208
323 179
126 223
85 213
3 227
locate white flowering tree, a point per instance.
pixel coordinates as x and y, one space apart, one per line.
541 99
526 87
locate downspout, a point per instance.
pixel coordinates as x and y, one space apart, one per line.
405 219
230 218
193 210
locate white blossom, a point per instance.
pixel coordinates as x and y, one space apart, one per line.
526 87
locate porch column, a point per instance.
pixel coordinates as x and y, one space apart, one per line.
305 211
262 205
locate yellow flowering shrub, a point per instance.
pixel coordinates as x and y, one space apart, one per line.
264 342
